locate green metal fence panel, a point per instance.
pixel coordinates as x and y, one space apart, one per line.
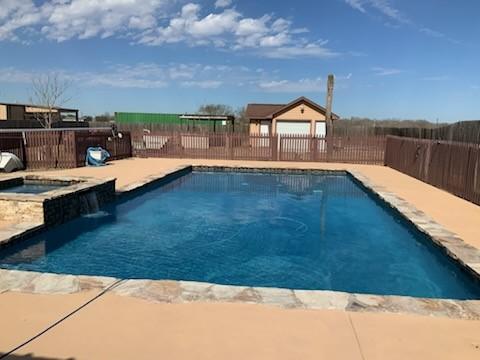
127 117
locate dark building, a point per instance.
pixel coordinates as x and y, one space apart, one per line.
28 115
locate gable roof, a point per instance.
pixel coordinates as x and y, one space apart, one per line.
260 111
269 111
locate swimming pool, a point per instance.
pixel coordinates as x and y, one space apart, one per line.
308 231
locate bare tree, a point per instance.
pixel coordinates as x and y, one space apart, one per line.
49 92
242 122
215 109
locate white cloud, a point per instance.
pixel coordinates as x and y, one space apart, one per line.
147 76
381 71
266 36
436 78
182 71
159 76
154 75
437 34
386 9
61 20
85 18
12 75
205 84
223 3
290 86
308 50
142 76
250 27
431 32
15 15
356 4
213 24
152 22
383 6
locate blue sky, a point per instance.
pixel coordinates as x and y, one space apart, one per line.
391 58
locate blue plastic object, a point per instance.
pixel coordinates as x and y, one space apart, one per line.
92 159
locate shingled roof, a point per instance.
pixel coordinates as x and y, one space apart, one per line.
268 111
260 111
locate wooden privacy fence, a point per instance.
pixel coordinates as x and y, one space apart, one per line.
119 148
61 149
362 150
452 166
12 143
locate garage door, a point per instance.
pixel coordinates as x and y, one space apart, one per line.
321 129
293 127
321 132
289 145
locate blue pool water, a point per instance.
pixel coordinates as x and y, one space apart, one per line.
278 230
31 188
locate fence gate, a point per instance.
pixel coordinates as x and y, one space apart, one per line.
13 143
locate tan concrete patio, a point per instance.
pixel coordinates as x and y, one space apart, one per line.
117 327
4 223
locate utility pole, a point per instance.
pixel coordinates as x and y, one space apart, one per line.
328 114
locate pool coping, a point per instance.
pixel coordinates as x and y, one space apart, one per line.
75 184
172 291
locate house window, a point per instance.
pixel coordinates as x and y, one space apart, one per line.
265 128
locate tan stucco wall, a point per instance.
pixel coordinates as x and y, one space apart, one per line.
296 114
38 110
254 127
3 112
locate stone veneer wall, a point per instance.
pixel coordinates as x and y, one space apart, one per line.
66 207
56 208
20 210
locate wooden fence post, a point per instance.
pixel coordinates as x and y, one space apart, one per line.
229 145
74 156
278 146
386 155
274 146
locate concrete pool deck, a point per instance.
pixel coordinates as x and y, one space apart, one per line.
4 223
127 327
114 327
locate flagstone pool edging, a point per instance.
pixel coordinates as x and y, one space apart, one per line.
177 292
